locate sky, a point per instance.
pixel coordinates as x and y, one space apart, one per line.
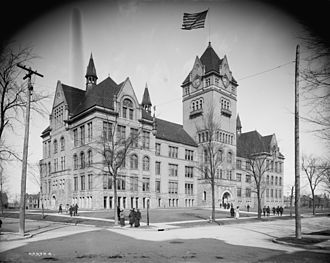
142 40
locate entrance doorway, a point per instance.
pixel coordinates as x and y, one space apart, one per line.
226 199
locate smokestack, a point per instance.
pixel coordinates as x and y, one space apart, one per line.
77 62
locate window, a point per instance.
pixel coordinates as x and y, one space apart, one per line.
157 168
220 155
55 165
90 131
82 160
238 177
238 164
62 163
82 182
173 152
75 137
267 180
107 181
48 148
121 132
90 181
272 180
135 137
189 188
172 187
134 184
55 146
208 82
89 158
107 131
121 183
229 157
157 186
145 184
75 183
280 181
267 193
276 179
146 139
157 148
134 161
248 178
62 143
248 192
239 192
173 169
189 171
127 110
271 193
189 155
82 135
216 81
146 163
49 168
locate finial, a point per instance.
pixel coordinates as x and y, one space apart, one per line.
209 43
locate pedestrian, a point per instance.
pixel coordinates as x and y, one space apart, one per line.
273 210
70 210
131 217
118 211
60 209
75 210
67 208
220 205
278 210
281 210
232 211
264 210
137 218
268 211
248 208
122 218
237 213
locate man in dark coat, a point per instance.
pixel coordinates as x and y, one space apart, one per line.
131 217
137 218
70 210
75 212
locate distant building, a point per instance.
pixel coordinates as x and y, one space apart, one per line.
3 200
32 201
163 166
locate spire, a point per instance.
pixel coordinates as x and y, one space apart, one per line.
91 76
238 125
146 102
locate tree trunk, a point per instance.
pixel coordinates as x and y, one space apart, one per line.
259 203
213 199
313 202
115 197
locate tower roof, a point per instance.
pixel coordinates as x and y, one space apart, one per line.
146 97
238 123
210 60
91 71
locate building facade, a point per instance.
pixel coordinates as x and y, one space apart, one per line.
161 167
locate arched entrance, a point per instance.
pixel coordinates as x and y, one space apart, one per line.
226 197
53 200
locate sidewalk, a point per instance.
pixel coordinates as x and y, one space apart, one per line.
243 231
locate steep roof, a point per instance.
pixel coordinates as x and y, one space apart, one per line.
100 95
173 132
252 142
210 60
91 70
73 96
238 122
146 97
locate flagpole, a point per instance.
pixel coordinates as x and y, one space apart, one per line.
208 10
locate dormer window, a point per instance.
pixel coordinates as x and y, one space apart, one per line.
127 110
208 82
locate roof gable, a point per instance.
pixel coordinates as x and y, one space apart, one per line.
72 97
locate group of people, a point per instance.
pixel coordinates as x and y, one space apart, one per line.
276 211
134 217
234 212
72 209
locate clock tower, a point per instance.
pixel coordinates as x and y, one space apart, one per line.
210 86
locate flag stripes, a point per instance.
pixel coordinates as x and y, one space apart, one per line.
194 21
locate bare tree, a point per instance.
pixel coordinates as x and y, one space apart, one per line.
314 173
212 152
3 192
114 147
13 96
316 85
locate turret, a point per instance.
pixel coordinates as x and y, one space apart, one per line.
238 126
90 76
146 102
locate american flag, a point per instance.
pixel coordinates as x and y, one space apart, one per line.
194 21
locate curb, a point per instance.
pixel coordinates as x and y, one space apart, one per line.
312 247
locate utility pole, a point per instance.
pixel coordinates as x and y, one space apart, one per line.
291 197
296 143
25 147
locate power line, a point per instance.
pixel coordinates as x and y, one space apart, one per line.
265 71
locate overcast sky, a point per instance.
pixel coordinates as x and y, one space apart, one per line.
142 40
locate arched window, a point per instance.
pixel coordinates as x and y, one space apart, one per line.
75 161
201 103
55 146
220 155
229 157
89 158
280 181
276 180
193 106
62 143
134 161
146 163
82 160
267 181
272 180
49 168
128 111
